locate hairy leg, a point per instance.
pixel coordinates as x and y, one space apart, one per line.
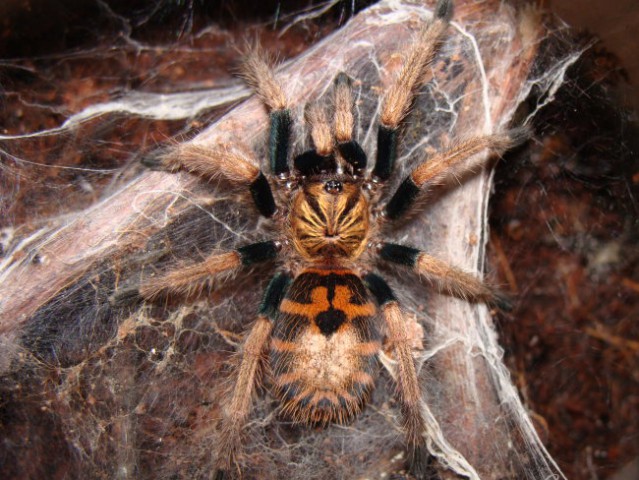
258 73
247 375
239 406
399 97
320 129
190 279
406 376
343 124
235 162
454 160
447 278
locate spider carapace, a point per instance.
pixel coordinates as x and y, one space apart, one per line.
322 312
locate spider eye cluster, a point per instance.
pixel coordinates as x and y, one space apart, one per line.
333 186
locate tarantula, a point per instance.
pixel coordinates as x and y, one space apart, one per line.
317 324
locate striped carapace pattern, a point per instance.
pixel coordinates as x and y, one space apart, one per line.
324 346
330 220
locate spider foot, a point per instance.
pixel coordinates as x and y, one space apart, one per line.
420 464
221 475
502 301
127 297
155 160
444 10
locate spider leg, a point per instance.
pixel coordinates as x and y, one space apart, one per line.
320 129
343 122
234 162
321 157
191 278
444 164
401 93
248 374
258 73
406 376
447 278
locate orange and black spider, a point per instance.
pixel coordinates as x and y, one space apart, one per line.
319 322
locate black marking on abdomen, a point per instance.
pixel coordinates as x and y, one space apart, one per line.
326 300
330 320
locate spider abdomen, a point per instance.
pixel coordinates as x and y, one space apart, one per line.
324 347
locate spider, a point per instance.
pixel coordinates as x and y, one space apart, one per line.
319 323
